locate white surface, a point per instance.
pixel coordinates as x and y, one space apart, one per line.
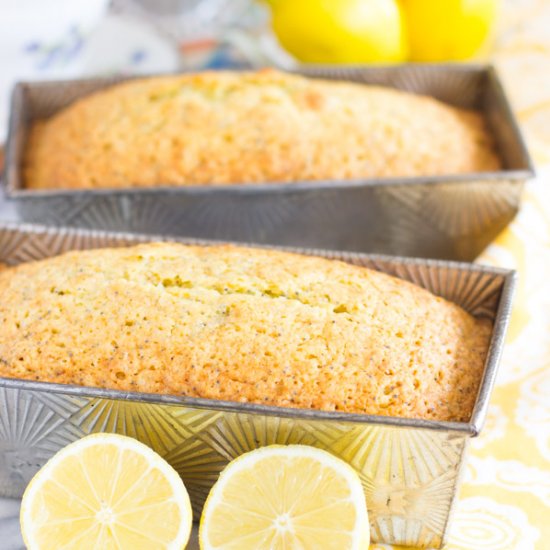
42 39
117 44
9 524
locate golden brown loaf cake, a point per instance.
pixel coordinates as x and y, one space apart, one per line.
241 324
266 126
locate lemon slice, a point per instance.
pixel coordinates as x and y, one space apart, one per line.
106 491
286 497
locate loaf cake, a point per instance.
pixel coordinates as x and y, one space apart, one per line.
241 324
266 126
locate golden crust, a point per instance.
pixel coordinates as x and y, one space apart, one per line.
265 126
241 324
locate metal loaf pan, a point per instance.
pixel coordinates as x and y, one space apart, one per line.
410 469
450 217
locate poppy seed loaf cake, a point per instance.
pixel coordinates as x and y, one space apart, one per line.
241 324
244 127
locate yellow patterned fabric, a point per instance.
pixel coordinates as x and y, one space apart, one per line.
505 498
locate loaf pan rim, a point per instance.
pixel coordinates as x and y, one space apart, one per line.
18 191
470 428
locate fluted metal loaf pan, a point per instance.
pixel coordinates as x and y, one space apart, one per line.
410 469
451 217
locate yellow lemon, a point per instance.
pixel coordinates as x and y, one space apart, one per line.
282 497
106 491
440 30
340 31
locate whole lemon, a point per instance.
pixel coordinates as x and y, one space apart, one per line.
441 30
340 31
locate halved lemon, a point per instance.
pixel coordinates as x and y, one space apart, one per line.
106 491
282 497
